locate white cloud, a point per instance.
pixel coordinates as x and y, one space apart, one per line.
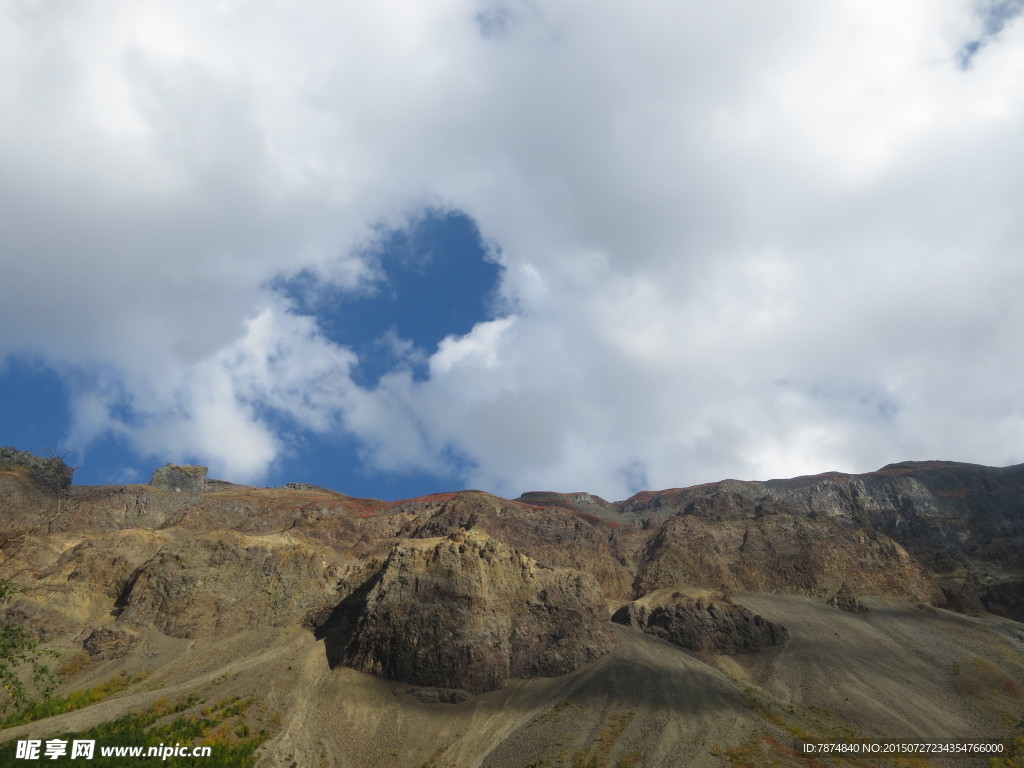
218 408
747 242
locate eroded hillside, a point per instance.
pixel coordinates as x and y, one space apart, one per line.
465 629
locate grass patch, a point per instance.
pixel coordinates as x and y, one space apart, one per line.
981 679
1013 757
221 726
75 664
609 735
58 705
554 712
551 714
599 754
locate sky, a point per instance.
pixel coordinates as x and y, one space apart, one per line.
395 248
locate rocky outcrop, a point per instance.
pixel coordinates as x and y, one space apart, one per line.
845 600
467 612
226 582
964 597
180 479
548 534
696 625
51 474
1005 598
109 643
779 553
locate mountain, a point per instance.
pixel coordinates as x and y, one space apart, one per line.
708 625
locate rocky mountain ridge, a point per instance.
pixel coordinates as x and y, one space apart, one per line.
458 594
963 522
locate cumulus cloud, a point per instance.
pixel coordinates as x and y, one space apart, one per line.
734 243
219 408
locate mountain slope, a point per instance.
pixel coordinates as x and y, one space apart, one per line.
464 629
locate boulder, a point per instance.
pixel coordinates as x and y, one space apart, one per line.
109 643
697 625
181 479
845 600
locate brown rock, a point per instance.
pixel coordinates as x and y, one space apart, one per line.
467 612
188 479
780 553
109 643
696 625
220 583
845 600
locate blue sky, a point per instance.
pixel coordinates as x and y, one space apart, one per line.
509 245
432 279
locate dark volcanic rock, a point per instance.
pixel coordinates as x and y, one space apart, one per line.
468 612
696 625
187 479
109 643
439 695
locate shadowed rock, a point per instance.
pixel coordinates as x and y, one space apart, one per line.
468 612
696 625
935 509
1005 598
109 643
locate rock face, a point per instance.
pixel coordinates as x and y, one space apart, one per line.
936 509
187 479
225 592
779 553
697 625
220 583
549 534
50 474
468 612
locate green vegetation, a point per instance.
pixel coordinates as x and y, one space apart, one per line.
20 654
24 667
609 736
61 704
599 755
1013 757
221 726
553 712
